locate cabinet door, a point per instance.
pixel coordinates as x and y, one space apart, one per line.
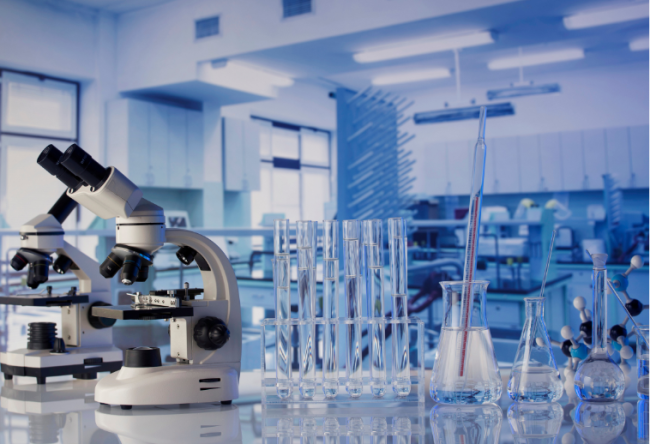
572 162
617 142
158 171
251 177
595 158
460 163
639 151
195 150
506 165
490 184
551 161
435 169
233 148
529 164
178 154
138 141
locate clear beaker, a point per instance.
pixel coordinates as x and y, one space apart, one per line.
642 361
535 377
535 423
466 370
598 378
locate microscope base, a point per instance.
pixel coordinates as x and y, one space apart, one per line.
172 384
82 363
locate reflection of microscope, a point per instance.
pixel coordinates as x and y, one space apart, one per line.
194 424
64 408
206 336
90 339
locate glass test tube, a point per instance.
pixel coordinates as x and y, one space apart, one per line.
373 253
281 284
353 370
401 379
306 306
331 307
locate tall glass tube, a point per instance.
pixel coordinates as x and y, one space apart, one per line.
401 380
353 370
306 306
281 283
374 262
331 307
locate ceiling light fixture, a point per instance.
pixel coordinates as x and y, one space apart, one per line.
639 44
537 59
427 46
601 17
411 76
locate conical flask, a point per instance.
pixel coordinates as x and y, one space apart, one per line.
534 377
466 370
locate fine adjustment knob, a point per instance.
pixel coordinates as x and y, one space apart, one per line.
211 333
96 321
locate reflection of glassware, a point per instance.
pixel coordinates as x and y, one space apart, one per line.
535 423
401 430
535 377
598 378
331 431
481 381
642 361
599 423
642 420
466 424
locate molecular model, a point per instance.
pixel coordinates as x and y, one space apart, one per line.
619 338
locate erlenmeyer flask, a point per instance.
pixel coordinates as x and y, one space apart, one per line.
477 424
535 423
534 377
466 370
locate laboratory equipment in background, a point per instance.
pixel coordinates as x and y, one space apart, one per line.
194 424
85 346
306 306
331 307
538 423
59 410
598 378
205 334
479 381
535 377
642 362
478 424
599 423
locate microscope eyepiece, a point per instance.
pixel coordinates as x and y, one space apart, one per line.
131 269
38 273
49 160
62 264
111 265
81 164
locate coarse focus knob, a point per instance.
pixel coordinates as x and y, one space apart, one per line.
211 333
139 357
96 321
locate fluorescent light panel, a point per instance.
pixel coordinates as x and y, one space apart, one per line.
639 44
537 59
427 46
411 76
606 17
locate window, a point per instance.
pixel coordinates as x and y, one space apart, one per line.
206 27
295 173
295 7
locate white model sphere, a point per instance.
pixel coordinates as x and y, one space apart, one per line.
568 438
636 262
626 352
579 303
566 332
628 409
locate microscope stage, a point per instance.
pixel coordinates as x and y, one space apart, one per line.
130 313
44 300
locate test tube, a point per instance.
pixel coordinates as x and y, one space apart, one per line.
373 253
331 307
401 379
354 383
281 283
306 306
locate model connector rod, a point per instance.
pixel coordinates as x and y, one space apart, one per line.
282 287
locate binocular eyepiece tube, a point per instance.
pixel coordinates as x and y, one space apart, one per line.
74 167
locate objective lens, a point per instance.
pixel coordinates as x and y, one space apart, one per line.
62 264
143 275
186 255
83 165
131 269
111 265
38 274
49 160
18 262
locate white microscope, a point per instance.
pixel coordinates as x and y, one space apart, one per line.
86 343
205 334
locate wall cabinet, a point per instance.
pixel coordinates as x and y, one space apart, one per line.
156 145
241 155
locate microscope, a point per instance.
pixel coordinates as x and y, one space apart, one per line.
205 333
86 343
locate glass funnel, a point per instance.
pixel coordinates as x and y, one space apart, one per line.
535 377
598 378
599 423
476 424
535 423
466 370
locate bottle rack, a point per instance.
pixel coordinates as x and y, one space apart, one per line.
416 345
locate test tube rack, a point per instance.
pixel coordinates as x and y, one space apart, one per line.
270 398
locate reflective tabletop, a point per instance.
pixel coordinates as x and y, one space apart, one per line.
64 411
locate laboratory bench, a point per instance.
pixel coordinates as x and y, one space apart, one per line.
64 411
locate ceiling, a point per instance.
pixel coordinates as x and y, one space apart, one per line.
117 6
533 25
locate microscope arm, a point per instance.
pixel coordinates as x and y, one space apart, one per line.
87 271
